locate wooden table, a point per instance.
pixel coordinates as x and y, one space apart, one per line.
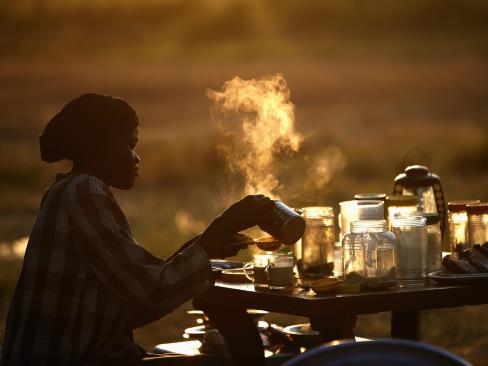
334 316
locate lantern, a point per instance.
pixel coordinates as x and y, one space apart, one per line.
417 180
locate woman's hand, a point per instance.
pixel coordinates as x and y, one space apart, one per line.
243 214
227 248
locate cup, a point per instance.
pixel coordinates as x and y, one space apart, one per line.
256 270
280 272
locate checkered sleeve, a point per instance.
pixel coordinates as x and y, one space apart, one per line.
142 281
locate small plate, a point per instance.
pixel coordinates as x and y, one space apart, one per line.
458 278
226 265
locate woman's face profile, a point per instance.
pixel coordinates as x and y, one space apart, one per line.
119 160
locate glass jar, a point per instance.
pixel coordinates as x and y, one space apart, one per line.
369 254
397 205
411 250
356 210
434 241
477 223
458 225
317 254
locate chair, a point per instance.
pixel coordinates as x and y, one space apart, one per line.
382 352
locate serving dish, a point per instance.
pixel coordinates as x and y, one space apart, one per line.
458 278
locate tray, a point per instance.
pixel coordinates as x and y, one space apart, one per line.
458 278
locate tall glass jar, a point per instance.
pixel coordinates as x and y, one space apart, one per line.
434 241
477 223
369 254
411 250
458 225
397 205
317 242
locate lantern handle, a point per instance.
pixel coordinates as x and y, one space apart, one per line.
421 151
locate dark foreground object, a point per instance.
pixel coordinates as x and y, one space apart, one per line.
382 352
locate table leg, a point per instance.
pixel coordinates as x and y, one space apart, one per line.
239 331
335 328
405 324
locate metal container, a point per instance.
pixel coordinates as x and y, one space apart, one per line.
458 225
283 223
477 223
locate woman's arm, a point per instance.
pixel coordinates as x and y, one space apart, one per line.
184 246
149 286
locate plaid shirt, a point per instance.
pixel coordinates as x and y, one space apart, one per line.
86 283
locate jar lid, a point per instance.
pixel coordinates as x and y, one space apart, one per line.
361 225
370 196
399 200
408 221
457 206
477 208
432 218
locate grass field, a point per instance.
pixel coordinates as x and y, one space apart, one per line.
371 82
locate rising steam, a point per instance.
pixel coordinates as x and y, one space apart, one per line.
266 127
323 168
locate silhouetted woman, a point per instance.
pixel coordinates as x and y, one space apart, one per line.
85 282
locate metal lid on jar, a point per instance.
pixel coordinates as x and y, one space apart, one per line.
399 200
477 208
370 196
458 206
432 218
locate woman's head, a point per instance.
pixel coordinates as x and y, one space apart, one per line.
98 133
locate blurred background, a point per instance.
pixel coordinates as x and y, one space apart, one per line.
370 81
